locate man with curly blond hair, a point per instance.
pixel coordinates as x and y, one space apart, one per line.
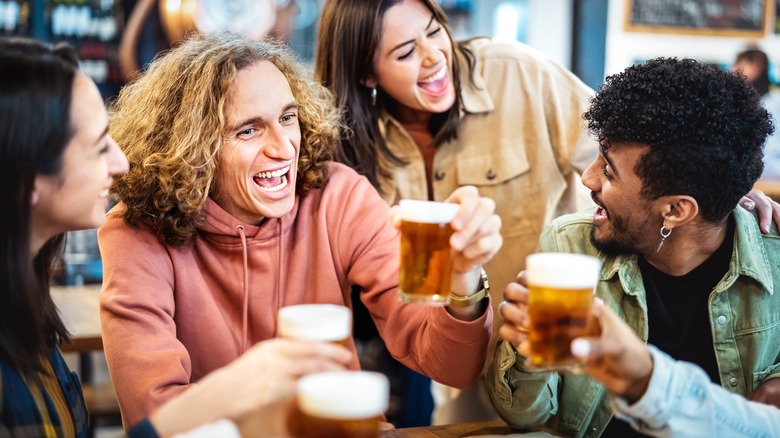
231 209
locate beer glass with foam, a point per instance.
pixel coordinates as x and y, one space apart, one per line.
560 296
341 404
316 322
426 257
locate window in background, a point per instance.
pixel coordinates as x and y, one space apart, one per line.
510 20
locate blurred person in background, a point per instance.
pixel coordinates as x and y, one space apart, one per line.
753 64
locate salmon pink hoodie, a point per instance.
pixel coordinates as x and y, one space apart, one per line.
171 315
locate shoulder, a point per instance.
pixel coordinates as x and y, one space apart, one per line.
486 50
747 226
345 188
117 233
341 174
493 57
346 181
569 233
574 222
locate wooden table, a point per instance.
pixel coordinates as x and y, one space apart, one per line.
79 309
489 428
80 312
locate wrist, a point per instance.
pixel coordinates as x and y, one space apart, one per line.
482 291
636 390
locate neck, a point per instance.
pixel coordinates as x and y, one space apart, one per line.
36 243
688 247
410 117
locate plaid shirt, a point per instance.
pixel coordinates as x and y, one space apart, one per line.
20 404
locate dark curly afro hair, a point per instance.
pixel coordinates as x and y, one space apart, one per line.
705 129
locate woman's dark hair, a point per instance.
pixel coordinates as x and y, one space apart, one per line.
758 58
349 35
35 95
704 129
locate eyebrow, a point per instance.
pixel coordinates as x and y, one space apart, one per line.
398 46
254 120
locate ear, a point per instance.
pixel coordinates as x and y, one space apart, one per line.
35 196
678 210
370 81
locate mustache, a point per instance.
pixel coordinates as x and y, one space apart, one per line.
596 200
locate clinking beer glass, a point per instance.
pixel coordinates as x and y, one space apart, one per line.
426 256
560 297
316 322
340 404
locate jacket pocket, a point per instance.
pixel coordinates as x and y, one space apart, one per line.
499 373
493 166
760 376
503 174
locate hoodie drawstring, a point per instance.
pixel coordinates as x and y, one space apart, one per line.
279 299
245 315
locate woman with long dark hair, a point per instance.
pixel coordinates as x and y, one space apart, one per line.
57 163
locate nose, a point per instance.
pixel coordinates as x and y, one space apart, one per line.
431 53
590 177
117 161
280 142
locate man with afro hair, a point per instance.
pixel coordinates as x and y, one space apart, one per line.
680 143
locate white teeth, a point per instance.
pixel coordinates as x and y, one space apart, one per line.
274 174
281 185
104 193
435 77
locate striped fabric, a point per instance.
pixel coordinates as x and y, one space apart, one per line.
27 410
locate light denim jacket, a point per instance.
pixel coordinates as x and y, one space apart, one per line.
744 315
680 401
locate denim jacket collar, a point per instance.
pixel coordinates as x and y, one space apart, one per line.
744 260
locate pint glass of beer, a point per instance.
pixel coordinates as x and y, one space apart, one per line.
560 296
341 404
316 322
426 257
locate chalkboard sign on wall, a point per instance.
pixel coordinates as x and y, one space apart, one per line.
743 18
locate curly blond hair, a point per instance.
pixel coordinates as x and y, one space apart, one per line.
171 125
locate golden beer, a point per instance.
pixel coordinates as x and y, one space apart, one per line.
316 322
560 297
426 256
340 404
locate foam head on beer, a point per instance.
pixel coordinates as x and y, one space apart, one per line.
426 257
560 297
315 322
344 404
563 270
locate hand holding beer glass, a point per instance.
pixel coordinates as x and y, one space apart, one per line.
426 256
341 404
544 319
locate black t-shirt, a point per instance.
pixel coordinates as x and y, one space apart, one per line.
678 315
